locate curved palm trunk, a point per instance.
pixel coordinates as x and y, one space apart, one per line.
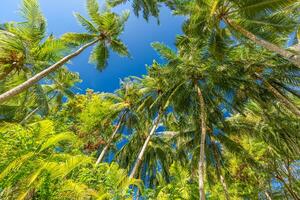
30 82
267 195
103 152
218 168
143 150
202 144
289 189
285 101
295 59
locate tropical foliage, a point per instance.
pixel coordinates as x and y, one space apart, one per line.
219 118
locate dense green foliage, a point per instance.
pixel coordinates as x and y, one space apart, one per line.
219 119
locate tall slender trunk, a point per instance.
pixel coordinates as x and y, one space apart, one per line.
295 59
29 115
202 143
289 190
143 150
31 81
138 194
34 111
267 195
285 101
103 152
218 169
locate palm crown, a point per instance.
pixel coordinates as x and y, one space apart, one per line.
226 20
105 27
25 46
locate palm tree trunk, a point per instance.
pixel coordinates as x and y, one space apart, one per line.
218 168
29 115
138 194
202 144
295 59
30 82
289 190
285 101
267 195
143 150
103 152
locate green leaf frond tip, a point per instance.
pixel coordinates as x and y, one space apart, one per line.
54 140
99 56
86 23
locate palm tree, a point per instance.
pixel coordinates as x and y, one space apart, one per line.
272 75
149 8
125 100
262 22
144 147
103 30
61 86
277 131
12 54
199 89
190 74
25 49
218 168
26 41
202 144
153 101
152 90
156 158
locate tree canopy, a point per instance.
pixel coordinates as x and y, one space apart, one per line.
217 118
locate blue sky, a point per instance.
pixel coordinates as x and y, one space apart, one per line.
138 36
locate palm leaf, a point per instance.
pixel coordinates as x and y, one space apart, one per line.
99 56
86 23
54 140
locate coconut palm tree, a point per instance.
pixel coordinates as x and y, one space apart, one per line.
152 90
191 71
125 101
61 87
156 158
26 42
25 49
149 8
151 104
103 29
277 130
200 90
218 168
272 75
12 55
264 23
